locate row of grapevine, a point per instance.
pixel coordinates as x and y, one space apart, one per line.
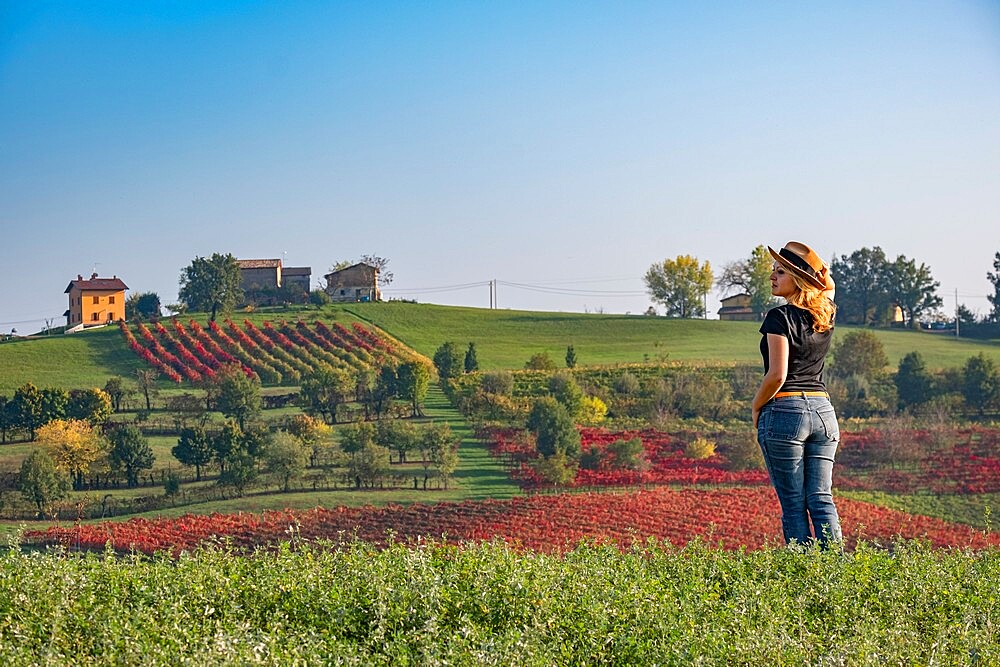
734 518
281 354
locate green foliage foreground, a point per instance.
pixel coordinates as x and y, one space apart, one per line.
490 604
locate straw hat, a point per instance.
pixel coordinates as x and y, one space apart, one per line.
803 261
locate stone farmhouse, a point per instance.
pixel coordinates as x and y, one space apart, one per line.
259 276
95 301
358 282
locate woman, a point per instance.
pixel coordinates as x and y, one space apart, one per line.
796 424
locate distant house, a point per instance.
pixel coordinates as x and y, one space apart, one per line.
299 276
737 307
260 279
355 283
95 301
258 274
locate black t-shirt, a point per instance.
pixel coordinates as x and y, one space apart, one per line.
806 348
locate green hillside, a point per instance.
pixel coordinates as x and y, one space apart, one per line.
504 339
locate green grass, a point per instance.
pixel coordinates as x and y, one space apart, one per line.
489 604
74 361
504 339
507 338
974 509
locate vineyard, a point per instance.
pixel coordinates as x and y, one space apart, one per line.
276 355
732 518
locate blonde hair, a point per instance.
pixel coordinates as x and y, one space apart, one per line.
814 300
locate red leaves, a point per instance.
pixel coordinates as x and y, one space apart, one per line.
273 354
732 518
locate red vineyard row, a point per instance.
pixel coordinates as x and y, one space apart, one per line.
280 354
967 464
664 452
731 518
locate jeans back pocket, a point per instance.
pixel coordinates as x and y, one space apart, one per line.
784 424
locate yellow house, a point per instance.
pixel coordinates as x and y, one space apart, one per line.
95 301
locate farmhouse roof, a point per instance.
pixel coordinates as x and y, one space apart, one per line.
352 266
297 271
259 263
95 283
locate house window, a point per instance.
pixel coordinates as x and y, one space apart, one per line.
93 318
343 292
97 299
111 299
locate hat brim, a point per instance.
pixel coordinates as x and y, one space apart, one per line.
812 279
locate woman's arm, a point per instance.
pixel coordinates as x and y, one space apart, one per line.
777 371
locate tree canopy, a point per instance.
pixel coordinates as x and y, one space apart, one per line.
680 285
211 284
869 285
752 276
994 298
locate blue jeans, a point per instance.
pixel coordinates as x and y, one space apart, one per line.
798 436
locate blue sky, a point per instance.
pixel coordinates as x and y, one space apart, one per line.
558 147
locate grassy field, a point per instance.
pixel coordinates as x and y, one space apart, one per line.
507 338
504 339
490 604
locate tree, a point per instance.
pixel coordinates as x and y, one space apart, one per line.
187 409
143 305
439 447
73 445
92 405
239 395
413 381
553 428
914 383
448 360
912 288
194 448
386 388
364 389
313 433
240 471
129 452
146 379
680 285
326 389
564 388
285 458
497 382
398 435
119 391
355 437
994 278
369 465
981 384
540 361
27 409
54 401
570 357
859 353
8 421
211 284
471 359
862 293
752 276
40 482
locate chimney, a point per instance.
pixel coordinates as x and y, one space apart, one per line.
79 277
93 276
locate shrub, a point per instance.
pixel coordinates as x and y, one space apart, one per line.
540 361
628 454
593 411
497 382
699 448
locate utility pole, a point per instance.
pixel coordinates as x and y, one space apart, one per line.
956 312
